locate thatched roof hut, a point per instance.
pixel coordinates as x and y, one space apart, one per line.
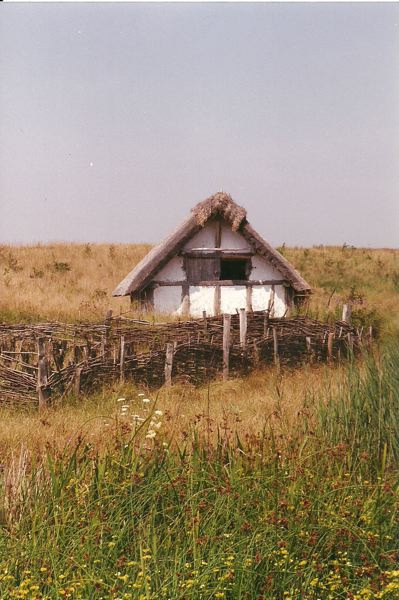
201 246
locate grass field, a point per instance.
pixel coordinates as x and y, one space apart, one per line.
280 486
74 281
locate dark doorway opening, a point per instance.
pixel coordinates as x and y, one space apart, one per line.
233 268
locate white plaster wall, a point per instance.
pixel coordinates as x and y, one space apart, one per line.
279 301
233 239
204 238
167 299
202 298
262 269
260 296
232 297
172 271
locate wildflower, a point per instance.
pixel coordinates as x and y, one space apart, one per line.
159 413
121 399
151 434
146 400
141 394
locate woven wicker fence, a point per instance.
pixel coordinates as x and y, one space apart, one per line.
38 362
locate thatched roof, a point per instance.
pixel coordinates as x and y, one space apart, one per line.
220 204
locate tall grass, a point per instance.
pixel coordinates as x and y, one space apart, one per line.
75 281
311 513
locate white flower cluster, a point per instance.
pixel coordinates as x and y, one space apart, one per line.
155 417
155 425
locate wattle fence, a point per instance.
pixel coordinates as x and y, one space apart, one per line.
43 361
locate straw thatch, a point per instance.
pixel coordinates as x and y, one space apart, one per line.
220 204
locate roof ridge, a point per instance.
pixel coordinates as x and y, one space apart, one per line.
222 204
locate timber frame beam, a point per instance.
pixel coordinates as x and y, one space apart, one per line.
222 283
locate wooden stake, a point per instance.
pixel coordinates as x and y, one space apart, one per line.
122 359
78 372
346 313
265 323
243 327
330 346
226 345
43 392
275 346
169 364
107 323
308 344
18 353
256 354
350 341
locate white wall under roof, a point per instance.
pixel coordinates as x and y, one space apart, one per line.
172 271
202 298
204 238
262 269
168 299
233 239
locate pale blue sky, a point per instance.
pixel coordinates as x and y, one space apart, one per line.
116 118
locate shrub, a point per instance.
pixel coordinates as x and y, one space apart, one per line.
61 267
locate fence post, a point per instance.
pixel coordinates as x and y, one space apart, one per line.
330 345
350 342
122 359
169 364
226 345
256 354
265 323
107 324
308 344
42 380
346 313
370 335
78 372
275 346
243 327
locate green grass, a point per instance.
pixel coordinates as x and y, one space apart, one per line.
311 514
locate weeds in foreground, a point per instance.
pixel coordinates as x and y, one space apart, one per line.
311 517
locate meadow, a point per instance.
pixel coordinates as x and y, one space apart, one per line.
71 282
279 486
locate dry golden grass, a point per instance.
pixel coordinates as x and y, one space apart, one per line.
64 281
369 278
243 407
75 281
70 282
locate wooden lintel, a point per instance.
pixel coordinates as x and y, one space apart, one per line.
221 283
215 252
